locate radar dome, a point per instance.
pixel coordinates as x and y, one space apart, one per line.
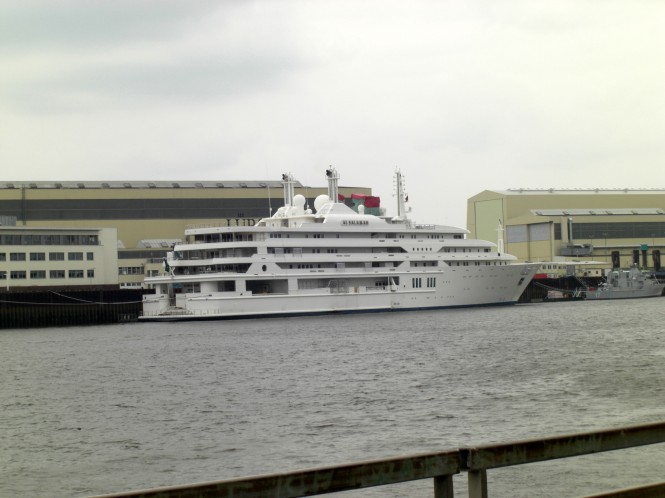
299 201
320 201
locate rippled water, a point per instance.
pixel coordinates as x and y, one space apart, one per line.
92 410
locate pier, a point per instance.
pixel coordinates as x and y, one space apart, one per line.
440 467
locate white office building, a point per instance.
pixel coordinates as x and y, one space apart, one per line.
57 257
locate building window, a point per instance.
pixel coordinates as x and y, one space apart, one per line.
90 256
17 256
75 256
17 275
91 273
3 256
37 256
3 275
75 273
56 256
37 274
130 270
614 230
57 274
10 240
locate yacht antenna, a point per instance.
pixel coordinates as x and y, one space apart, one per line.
333 178
269 203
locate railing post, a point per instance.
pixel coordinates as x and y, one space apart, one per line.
443 487
477 483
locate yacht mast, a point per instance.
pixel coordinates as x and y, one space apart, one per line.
289 190
500 238
333 178
400 192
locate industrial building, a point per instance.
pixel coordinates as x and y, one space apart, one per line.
148 217
616 227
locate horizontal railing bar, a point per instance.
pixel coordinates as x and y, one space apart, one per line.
656 490
315 481
537 450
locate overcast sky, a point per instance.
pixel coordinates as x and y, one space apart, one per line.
462 96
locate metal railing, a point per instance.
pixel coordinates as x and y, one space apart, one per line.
478 460
439 466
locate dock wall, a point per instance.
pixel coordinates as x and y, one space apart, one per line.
66 307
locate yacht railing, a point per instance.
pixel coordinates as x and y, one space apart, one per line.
475 461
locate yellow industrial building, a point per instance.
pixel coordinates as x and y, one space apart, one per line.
617 227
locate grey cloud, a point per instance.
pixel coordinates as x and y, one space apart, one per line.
131 84
233 62
29 25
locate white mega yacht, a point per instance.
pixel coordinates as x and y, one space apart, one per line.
331 259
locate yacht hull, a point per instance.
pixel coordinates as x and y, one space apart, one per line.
467 287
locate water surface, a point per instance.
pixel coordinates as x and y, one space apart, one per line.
92 410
